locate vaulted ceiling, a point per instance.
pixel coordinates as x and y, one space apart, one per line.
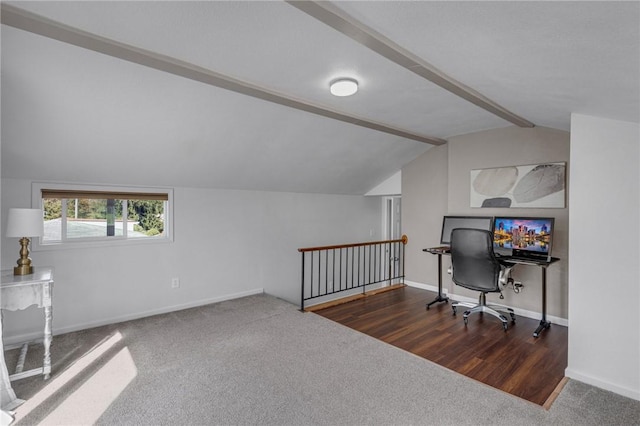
235 95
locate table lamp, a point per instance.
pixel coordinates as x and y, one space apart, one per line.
24 223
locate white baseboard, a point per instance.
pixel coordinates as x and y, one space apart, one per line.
422 286
522 312
16 340
602 384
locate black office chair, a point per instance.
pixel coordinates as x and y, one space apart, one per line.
476 267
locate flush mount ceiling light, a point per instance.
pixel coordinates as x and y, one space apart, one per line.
344 87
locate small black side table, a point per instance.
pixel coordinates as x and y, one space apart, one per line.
439 251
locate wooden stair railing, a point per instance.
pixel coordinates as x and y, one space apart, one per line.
329 270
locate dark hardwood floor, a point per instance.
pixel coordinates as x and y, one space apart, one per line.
513 361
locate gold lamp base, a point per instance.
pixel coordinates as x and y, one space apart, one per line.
24 263
23 270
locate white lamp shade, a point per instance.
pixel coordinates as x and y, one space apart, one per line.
25 223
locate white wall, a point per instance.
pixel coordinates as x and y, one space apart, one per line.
227 243
424 202
604 274
438 183
391 186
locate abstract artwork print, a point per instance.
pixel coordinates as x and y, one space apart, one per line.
529 186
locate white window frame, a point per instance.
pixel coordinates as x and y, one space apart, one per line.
36 202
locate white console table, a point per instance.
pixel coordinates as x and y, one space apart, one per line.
21 291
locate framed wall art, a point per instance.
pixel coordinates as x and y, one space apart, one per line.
529 186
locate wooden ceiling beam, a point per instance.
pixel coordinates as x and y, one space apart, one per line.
331 15
27 21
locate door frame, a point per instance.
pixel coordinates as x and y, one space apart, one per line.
391 226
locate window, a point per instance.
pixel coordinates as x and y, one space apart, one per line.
75 214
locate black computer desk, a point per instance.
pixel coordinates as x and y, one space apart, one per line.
543 264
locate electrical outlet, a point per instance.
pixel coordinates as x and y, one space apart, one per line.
175 282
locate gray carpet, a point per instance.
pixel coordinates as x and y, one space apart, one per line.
259 361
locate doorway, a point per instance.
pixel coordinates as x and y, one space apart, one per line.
392 229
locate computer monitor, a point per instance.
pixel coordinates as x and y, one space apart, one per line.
449 223
526 237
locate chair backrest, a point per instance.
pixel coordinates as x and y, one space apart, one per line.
472 259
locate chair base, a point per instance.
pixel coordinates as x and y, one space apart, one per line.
481 306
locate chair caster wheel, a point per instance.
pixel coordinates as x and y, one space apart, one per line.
466 320
513 318
454 310
504 326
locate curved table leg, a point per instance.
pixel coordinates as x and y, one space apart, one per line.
46 366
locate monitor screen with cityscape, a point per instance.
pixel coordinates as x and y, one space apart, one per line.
523 235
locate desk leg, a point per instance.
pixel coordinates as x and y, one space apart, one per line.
439 297
544 324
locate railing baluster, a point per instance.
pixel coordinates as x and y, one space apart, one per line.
358 269
390 264
333 270
302 286
319 266
395 265
375 262
378 260
340 271
368 267
402 274
311 275
394 268
326 266
352 250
